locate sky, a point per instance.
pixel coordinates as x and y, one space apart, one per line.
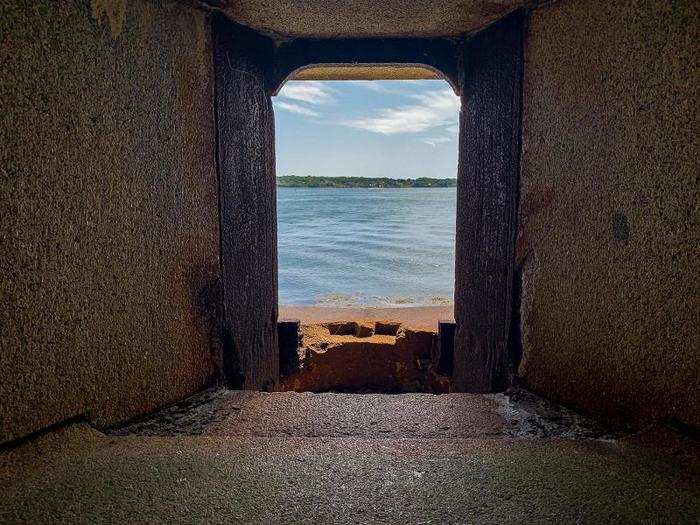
399 129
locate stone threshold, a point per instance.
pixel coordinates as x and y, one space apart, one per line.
219 412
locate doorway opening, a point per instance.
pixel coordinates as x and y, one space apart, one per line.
366 208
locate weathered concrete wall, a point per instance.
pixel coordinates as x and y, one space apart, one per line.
248 204
487 209
109 231
366 18
609 208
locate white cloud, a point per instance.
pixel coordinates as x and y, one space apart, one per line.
434 141
434 109
310 92
295 108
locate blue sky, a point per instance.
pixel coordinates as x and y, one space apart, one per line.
399 129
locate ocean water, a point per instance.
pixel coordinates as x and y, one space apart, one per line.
366 247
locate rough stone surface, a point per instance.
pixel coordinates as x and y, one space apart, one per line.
248 206
366 18
353 356
438 54
487 204
379 416
109 230
78 476
609 237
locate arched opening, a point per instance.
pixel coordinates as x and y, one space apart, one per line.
487 69
367 72
366 207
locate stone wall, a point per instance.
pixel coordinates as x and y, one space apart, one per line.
487 205
609 237
248 205
109 233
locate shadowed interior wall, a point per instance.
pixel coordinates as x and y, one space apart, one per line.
487 190
108 191
609 231
248 204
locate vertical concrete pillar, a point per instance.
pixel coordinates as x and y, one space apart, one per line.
247 204
487 203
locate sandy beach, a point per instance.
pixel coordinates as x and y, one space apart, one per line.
419 317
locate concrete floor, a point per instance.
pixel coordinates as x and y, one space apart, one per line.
230 457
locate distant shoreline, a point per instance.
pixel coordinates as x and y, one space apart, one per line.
293 181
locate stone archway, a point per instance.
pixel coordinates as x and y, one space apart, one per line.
485 69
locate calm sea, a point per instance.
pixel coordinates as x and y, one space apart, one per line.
377 247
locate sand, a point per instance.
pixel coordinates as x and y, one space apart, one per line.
418 317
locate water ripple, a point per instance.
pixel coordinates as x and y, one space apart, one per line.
350 247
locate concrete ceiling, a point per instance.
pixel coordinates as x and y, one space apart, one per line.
365 18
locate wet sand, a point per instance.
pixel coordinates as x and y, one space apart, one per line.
419 317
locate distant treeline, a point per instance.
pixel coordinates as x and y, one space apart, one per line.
294 181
